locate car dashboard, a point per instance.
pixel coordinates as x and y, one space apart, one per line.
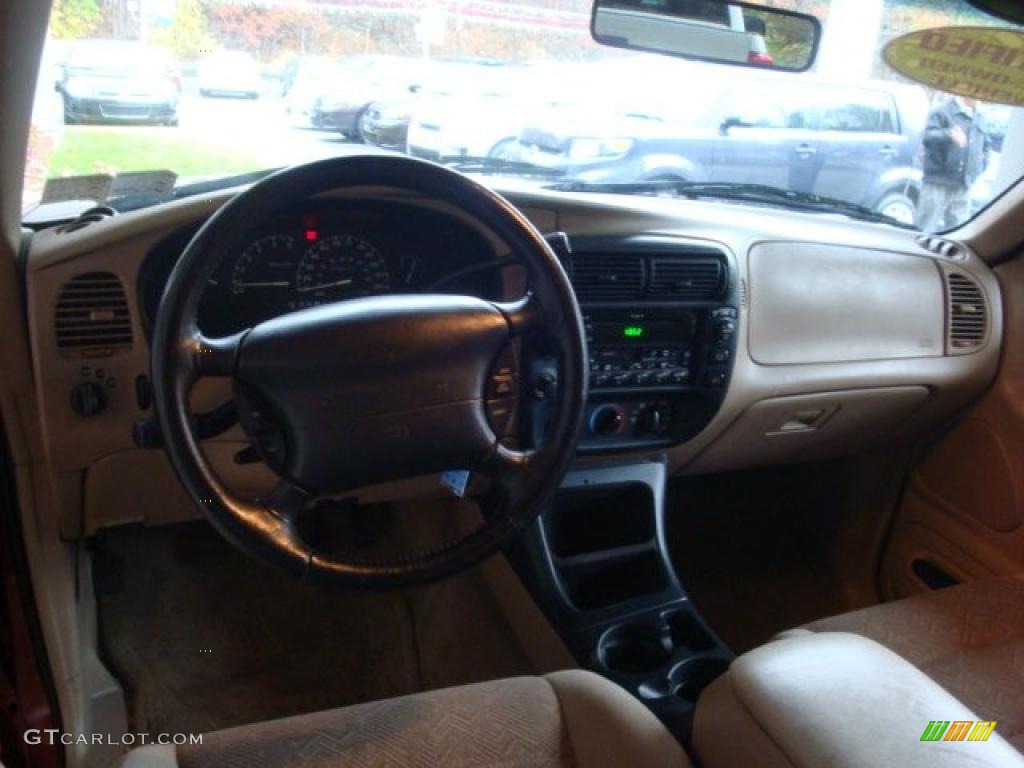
720 336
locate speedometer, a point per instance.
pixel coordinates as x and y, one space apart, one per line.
340 267
261 280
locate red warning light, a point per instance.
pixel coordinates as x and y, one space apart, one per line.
312 235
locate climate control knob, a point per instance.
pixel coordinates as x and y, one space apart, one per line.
607 420
88 399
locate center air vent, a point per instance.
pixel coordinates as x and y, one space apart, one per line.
92 317
685 279
607 276
968 313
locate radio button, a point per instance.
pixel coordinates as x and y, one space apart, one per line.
719 355
714 379
680 377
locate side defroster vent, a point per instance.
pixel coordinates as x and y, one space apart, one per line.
947 249
968 313
92 318
686 279
607 277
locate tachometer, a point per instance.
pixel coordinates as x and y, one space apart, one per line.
340 267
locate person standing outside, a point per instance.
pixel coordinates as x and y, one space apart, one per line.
956 150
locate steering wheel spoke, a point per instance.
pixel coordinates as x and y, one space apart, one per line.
523 315
506 462
287 500
215 357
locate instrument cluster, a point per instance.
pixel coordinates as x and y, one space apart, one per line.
323 254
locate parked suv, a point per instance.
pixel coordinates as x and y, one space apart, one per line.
858 143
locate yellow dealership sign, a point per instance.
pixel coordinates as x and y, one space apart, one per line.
985 63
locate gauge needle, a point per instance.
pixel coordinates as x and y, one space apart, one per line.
270 284
335 284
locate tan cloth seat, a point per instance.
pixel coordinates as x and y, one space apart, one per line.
838 700
570 718
969 639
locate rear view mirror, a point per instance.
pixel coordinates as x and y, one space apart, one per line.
710 30
1010 10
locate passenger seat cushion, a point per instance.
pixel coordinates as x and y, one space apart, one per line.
969 639
569 719
832 699
513 722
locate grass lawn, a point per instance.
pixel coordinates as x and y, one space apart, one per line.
85 150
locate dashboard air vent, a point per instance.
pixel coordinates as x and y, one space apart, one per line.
947 249
92 317
607 276
968 313
686 279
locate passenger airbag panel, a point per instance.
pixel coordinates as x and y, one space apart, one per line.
831 304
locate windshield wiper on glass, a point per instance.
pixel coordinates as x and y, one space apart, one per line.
750 193
499 165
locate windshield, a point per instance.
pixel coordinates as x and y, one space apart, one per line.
201 90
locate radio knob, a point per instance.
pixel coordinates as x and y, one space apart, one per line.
606 420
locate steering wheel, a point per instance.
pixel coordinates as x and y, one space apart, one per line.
374 389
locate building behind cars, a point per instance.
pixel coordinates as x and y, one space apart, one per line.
119 81
855 142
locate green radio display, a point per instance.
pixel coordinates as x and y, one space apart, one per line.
633 332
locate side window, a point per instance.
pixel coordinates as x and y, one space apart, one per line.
857 111
754 109
768 107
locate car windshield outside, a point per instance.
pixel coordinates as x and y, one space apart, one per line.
204 90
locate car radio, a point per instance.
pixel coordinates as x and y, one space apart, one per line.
640 349
659 348
661 316
656 375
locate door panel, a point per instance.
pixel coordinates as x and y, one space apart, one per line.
963 512
853 162
768 136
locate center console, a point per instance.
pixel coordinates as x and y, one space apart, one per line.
662 322
598 565
661 317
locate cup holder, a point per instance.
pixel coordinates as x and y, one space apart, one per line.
687 632
688 679
633 649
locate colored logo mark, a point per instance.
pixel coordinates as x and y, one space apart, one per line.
958 730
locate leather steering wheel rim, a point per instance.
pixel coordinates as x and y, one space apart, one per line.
521 481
